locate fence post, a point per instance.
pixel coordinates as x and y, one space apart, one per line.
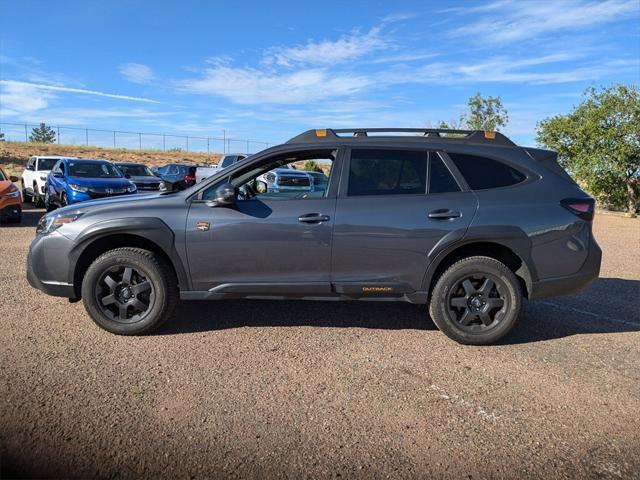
187 137
86 135
58 135
163 145
114 139
207 144
26 138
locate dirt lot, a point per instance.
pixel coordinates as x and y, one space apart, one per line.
254 389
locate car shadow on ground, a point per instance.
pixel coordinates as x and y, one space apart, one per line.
30 217
607 306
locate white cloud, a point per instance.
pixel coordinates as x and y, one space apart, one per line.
82 91
248 85
329 52
136 72
19 98
510 21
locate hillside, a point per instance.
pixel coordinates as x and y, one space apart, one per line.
14 155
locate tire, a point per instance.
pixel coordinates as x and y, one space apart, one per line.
476 301
25 196
36 199
47 203
106 287
63 200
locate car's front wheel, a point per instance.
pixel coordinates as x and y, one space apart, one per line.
129 291
476 301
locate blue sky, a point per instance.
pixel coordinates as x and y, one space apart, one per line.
268 70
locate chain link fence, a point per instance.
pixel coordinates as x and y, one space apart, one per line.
20 132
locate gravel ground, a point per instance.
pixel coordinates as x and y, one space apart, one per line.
257 389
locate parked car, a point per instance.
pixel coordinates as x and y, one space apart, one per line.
74 180
282 180
141 175
177 176
10 198
466 224
34 177
225 161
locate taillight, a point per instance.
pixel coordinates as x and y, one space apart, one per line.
582 207
189 178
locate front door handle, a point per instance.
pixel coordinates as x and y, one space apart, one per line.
313 218
444 214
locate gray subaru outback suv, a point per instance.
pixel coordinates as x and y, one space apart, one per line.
466 222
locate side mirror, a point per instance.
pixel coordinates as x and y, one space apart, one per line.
261 186
13 178
225 196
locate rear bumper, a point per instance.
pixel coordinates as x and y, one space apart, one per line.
552 287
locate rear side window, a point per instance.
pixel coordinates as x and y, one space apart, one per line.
440 178
387 172
482 173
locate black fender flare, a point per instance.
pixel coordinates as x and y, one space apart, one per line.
150 228
513 238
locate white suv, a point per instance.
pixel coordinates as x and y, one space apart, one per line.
34 177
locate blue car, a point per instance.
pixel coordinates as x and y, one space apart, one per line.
74 180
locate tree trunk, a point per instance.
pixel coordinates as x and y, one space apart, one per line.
632 197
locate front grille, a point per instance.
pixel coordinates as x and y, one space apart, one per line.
148 186
106 192
291 181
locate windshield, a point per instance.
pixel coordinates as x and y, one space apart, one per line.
46 163
93 170
136 170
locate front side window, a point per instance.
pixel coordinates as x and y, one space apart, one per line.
387 172
297 175
482 173
93 170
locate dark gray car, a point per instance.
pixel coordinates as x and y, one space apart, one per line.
140 175
465 222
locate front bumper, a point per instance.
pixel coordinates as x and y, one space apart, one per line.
48 267
552 287
75 197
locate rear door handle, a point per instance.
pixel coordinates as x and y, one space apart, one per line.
313 218
444 214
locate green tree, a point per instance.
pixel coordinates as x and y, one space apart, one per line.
311 166
42 134
598 142
483 114
1 137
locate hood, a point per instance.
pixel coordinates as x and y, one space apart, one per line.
100 182
6 186
110 201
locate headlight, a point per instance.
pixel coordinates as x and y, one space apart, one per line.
50 223
43 178
12 194
162 187
132 188
78 188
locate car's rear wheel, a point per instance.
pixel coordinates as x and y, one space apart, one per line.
476 301
129 291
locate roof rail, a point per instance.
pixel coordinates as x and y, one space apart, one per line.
474 136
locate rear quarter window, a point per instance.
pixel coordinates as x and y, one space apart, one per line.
482 173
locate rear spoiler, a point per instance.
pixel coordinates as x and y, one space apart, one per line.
549 159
